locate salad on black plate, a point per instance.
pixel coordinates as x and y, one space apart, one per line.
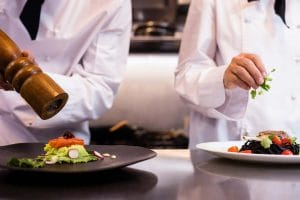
64 149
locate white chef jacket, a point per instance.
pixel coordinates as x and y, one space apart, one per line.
215 32
83 46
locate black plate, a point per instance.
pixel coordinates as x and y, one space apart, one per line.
125 155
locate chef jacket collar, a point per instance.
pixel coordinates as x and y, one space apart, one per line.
279 8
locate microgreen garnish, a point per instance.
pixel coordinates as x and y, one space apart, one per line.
263 87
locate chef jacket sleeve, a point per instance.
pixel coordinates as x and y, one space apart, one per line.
95 80
198 79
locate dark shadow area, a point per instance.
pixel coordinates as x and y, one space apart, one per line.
136 136
122 183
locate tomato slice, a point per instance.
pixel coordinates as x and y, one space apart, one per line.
286 152
277 140
286 141
233 149
246 151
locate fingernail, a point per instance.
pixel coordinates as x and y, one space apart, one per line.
261 80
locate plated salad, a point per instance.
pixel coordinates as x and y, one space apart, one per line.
65 149
268 142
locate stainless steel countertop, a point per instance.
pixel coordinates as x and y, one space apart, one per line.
173 174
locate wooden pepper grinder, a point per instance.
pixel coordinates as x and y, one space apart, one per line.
37 88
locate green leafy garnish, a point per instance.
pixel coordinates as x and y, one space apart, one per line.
26 162
263 87
293 140
266 142
60 156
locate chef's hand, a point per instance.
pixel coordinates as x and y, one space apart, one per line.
4 85
245 71
29 56
7 86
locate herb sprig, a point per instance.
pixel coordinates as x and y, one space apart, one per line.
264 86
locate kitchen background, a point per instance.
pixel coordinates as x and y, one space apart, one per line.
147 111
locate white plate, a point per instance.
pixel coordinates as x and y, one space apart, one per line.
220 149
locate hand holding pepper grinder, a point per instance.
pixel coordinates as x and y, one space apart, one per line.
44 95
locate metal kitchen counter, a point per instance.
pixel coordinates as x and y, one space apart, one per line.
173 174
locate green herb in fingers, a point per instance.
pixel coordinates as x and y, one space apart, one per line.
264 86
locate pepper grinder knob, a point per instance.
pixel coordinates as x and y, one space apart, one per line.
41 92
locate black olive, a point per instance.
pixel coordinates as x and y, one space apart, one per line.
68 134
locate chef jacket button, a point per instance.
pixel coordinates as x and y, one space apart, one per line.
2 11
47 58
247 20
55 31
298 26
297 59
293 98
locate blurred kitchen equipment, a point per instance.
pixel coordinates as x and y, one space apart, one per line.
154 26
38 89
154 10
124 133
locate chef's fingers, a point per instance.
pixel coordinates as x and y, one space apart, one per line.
245 70
232 81
239 82
27 54
258 63
243 75
249 68
4 85
233 77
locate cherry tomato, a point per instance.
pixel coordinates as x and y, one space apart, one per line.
233 149
277 140
286 152
246 151
286 141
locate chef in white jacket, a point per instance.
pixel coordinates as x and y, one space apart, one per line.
228 47
83 45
